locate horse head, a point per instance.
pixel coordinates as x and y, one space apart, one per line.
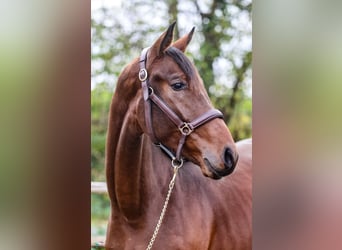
174 79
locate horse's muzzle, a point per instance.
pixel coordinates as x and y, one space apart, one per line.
229 159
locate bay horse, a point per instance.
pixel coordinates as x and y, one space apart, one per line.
160 120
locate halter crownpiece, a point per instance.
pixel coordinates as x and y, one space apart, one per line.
185 128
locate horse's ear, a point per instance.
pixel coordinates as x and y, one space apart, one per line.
162 43
183 42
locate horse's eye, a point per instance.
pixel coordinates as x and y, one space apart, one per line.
178 86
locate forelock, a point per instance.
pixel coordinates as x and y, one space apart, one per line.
182 61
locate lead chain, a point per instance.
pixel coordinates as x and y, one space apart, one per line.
161 217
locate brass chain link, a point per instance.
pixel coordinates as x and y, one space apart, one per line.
161 217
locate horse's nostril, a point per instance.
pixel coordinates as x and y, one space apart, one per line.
229 159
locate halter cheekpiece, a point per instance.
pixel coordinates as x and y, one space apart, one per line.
185 128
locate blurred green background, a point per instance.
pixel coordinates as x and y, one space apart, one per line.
220 49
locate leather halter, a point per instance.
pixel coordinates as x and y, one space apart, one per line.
185 128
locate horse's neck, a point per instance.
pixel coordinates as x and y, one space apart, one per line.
131 177
130 170
132 162
136 175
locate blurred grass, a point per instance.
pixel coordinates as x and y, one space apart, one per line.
100 210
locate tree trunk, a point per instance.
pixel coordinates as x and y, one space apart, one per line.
173 14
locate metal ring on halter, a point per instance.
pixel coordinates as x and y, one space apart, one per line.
143 75
177 163
150 91
185 129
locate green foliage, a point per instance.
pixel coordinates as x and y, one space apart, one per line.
241 122
97 248
100 207
100 211
100 101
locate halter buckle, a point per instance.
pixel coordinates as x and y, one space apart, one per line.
143 75
185 129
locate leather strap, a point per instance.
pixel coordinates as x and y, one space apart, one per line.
169 112
143 76
206 117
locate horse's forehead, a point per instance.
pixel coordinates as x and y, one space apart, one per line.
167 67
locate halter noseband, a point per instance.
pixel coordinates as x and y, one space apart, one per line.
185 128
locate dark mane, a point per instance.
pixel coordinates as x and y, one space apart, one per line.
182 61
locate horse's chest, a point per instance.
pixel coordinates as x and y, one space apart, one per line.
178 231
